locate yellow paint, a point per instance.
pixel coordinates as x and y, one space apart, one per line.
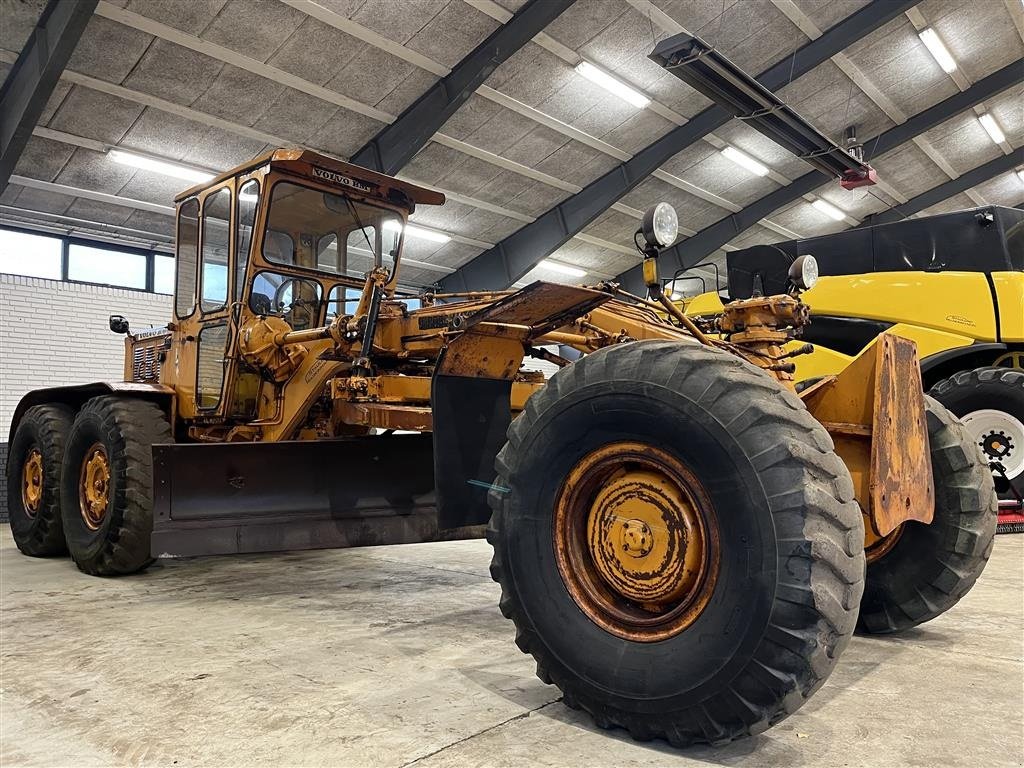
1010 292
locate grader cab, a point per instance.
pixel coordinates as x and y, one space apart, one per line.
679 537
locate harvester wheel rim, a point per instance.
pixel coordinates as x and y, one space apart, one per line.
1000 436
94 486
32 482
636 542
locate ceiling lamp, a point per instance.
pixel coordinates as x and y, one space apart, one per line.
938 49
147 163
829 210
992 128
565 269
413 231
612 84
745 160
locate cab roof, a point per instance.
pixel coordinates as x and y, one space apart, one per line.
312 165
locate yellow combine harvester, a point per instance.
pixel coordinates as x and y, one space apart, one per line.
952 283
679 536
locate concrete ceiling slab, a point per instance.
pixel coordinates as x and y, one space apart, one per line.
101 212
963 142
239 96
474 113
411 87
108 50
174 73
826 13
452 33
531 75
43 159
295 115
60 92
147 221
317 52
1004 189
192 16
19 19
583 21
344 133
955 203
910 170
256 28
95 115
37 200
94 171
220 149
637 131
398 20
371 75
153 187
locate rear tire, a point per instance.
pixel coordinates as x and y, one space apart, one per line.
34 509
107 484
930 567
789 574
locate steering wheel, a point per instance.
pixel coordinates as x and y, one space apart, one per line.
301 312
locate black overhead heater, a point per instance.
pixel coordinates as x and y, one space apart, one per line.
700 66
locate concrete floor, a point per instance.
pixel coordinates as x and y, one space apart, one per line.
395 656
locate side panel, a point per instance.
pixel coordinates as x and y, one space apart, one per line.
1009 288
954 302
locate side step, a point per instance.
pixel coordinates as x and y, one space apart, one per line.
230 498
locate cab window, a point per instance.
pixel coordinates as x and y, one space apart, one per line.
294 299
187 255
342 300
248 201
329 233
216 240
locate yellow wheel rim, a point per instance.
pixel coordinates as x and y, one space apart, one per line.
1010 360
876 547
636 542
94 486
32 482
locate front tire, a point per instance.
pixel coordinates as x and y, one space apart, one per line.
33 479
107 484
754 482
925 569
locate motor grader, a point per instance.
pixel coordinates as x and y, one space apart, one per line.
680 538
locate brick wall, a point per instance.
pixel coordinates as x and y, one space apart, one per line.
55 333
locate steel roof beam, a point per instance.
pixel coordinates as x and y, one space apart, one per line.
36 71
513 257
944 191
397 143
694 249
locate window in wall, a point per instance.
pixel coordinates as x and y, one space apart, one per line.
29 255
248 200
163 274
101 265
216 237
188 256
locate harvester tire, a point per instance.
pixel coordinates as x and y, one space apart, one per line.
107 484
33 479
788 558
930 567
991 403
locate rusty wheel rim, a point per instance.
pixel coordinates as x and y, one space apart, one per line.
636 541
94 486
32 482
876 547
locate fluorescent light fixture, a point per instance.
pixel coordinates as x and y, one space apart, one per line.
614 85
159 166
745 160
938 49
992 128
829 210
413 231
565 269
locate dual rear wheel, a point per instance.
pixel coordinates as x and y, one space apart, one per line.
82 483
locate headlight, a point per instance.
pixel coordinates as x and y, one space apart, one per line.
803 272
661 225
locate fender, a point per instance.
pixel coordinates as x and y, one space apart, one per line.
75 396
942 365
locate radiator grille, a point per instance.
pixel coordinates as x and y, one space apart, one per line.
146 363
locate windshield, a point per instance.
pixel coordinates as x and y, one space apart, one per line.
329 233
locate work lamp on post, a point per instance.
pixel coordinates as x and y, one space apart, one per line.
659 229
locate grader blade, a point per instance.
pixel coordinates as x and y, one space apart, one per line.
874 410
225 498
